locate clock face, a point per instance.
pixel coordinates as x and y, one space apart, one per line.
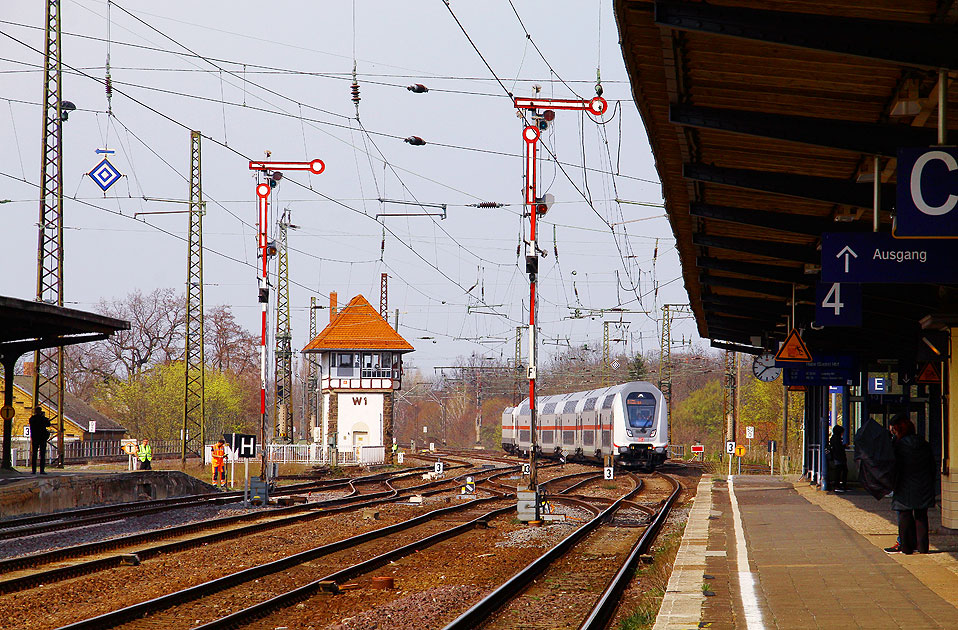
763 367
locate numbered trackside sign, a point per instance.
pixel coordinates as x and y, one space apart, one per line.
438 467
526 469
399 457
838 304
608 473
749 433
730 447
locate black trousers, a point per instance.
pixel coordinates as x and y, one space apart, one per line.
913 530
839 475
145 464
38 453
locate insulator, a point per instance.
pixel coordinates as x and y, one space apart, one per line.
488 204
417 88
355 90
416 141
109 86
598 89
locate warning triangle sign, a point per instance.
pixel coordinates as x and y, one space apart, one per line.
928 374
794 349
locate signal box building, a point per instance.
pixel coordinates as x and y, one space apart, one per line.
360 368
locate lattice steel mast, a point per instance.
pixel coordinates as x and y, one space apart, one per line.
48 363
194 399
665 358
384 297
283 409
312 376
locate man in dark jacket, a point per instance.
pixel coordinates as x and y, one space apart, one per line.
39 434
914 487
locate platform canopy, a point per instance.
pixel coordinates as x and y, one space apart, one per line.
765 118
26 326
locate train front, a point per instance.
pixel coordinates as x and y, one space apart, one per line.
641 426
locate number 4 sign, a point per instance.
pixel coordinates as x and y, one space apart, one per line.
838 304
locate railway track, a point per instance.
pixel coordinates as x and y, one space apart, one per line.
493 611
21 578
83 517
288 568
330 582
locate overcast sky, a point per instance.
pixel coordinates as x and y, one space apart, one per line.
276 76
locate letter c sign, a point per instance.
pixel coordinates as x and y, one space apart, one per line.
927 192
916 194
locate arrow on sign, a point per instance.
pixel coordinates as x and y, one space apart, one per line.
846 252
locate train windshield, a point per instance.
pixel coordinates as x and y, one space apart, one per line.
640 408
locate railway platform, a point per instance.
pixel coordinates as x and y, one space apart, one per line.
767 552
23 494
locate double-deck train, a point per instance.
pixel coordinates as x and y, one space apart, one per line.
628 421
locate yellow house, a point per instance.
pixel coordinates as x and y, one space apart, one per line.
80 420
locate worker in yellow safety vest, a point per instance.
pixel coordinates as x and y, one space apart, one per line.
219 463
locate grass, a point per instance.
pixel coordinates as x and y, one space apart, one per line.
655 578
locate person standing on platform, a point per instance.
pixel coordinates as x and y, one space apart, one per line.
39 434
914 486
836 455
219 463
145 453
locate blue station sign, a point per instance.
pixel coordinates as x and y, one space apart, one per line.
838 304
824 370
879 257
927 192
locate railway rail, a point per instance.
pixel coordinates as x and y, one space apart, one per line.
206 589
275 518
601 612
332 581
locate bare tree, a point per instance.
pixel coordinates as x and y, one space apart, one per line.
229 347
157 323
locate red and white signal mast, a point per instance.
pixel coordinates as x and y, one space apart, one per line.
537 206
272 173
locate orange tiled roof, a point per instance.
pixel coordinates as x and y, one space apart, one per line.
358 326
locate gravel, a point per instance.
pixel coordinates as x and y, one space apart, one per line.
114 529
412 611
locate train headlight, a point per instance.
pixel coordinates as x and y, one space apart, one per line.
628 432
659 449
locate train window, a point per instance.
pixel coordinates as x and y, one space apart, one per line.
589 404
549 408
607 403
640 407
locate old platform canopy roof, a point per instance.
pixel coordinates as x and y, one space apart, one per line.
358 326
765 118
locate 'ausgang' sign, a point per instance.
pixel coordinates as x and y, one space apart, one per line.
927 192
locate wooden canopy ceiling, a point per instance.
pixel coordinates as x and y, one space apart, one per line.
764 116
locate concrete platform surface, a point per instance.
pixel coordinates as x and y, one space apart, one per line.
22 494
781 554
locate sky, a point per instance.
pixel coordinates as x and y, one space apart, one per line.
276 77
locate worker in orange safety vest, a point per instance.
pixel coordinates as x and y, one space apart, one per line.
219 463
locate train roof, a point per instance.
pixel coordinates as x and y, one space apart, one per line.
541 401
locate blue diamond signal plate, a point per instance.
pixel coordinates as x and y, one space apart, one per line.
105 174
